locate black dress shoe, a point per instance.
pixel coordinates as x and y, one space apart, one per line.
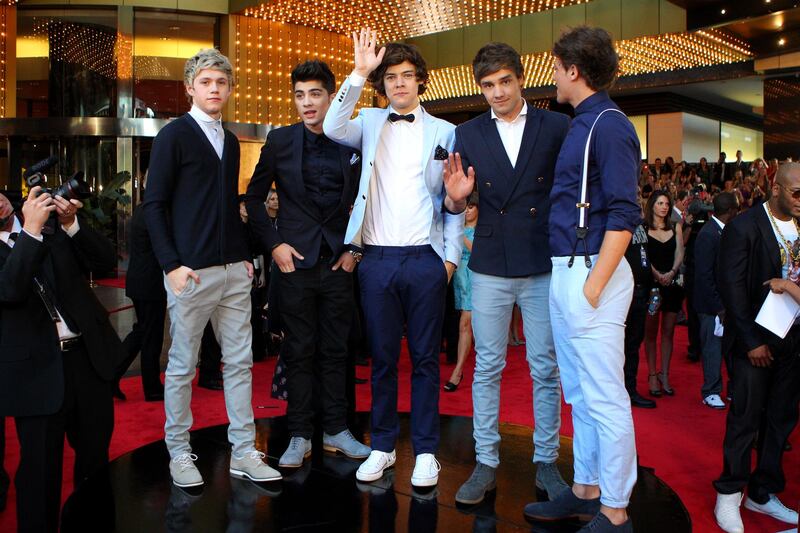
210 383
637 400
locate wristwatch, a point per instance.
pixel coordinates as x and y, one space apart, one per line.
357 256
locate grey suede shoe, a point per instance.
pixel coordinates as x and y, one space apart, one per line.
482 480
298 449
565 506
549 479
344 442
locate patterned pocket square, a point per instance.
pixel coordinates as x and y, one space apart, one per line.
440 154
354 159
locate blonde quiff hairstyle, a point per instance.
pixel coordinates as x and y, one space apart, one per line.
207 58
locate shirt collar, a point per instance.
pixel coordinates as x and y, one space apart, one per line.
718 221
523 112
203 118
15 228
312 137
591 102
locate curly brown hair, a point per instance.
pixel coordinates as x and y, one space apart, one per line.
397 53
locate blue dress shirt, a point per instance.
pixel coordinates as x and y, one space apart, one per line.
613 169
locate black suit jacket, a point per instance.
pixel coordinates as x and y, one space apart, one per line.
299 222
706 248
31 372
749 255
511 235
144 279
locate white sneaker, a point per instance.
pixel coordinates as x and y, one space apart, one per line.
183 471
426 471
372 469
714 401
773 508
727 512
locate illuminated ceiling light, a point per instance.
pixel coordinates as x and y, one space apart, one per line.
781 41
723 11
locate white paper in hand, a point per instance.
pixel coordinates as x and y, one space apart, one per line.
719 329
778 313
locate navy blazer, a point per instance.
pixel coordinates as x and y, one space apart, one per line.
299 221
706 249
511 235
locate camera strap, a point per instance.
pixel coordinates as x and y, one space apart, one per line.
48 302
582 229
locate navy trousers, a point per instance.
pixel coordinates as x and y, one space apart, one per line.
404 286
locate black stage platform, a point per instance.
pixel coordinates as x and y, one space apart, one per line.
136 494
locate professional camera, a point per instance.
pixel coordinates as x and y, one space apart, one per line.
72 189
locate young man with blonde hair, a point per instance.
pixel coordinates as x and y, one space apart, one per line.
192 214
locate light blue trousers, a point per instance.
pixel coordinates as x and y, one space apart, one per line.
493 301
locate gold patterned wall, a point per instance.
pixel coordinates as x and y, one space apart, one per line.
264 54
398 19
8 15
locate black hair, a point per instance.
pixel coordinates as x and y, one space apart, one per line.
592 51
315 70
395 54
494 57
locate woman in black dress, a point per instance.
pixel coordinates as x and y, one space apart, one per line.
665 250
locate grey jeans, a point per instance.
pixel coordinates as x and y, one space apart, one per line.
222 296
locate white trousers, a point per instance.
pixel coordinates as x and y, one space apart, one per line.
590 351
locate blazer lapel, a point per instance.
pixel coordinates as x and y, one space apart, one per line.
770 242
297 170
494 145
533 123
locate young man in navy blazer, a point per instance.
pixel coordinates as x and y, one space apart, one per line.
408 220
512 150
192 213
318 180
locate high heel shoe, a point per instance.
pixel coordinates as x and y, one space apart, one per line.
656 393
450 386
669 391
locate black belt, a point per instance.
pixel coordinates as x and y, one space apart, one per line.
70 344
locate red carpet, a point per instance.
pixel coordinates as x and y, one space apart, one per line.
681 439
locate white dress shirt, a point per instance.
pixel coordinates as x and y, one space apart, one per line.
399 211
719 222
511 132
64 332
211 127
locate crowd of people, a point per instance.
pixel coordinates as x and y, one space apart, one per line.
380 216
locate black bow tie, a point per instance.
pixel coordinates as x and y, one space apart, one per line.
13 236
394 117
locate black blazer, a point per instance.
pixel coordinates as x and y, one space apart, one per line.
31 373
511 235
706 248
749 255
192 204
299 221
144 279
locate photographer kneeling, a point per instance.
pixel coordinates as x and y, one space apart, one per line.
58 350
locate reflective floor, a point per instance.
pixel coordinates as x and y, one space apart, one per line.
136 494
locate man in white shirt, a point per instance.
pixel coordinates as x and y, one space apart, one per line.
408 222
512 150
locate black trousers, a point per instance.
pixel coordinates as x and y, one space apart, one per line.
316 311
765 401
87 419
693 321
147 337
634 335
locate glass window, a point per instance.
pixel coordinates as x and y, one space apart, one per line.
749 141
66 63
161 45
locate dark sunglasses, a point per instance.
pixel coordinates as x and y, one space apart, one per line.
794 193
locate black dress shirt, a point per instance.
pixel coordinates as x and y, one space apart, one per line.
322 172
